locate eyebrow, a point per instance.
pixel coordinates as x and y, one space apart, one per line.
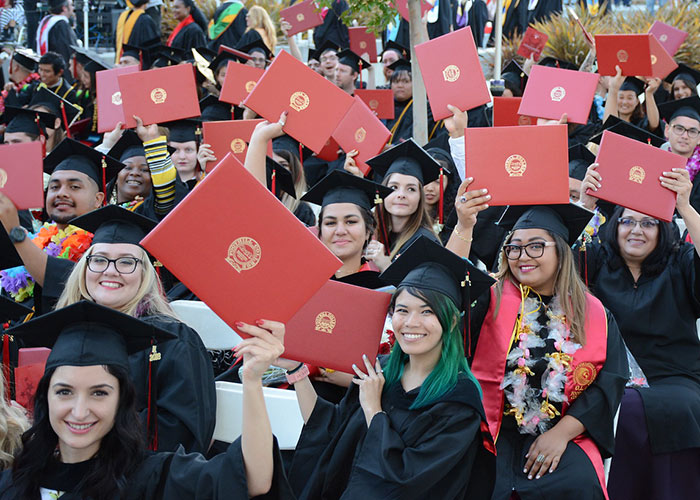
98 386
74 179
404 305
540 238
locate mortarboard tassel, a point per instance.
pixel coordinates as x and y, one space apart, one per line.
649 141
140 60
152 409
467 324
233 112
273 183
301 156
442 199
41 133
6 362
65 120
104 180
382 225
360 65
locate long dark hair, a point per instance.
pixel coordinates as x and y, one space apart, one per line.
197 14
121 449
655 262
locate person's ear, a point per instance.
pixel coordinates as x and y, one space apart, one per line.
667 129
99 199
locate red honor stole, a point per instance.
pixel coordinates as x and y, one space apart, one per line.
489 363
188 20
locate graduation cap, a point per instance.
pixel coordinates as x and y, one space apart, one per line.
325 47
212 109
279 179
689 106
93 62
618 126
257 46
685 73
427 265
202 57
56 104
557 63
11 310
167 56
184 130
128 146
225 55
634 84
566 220
286 143
27 120
114 224
74 155
365 279
400 64
407 158
341 187
80 54
25 58
580 158
437 151
402 51
348 58
205 52
88 334
142 53
515 74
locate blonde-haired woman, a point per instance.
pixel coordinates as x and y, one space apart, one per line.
117 273
548 356
13 423
259 26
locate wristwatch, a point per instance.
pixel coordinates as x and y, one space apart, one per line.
17 234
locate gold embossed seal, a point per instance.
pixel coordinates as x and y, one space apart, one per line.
300 17
238 145
663 37
451 73
249 86
244 254
363 44
622 55
557 94
117 98
515 165
637 174
360 134
373 104
299 101
583 376
325 322
3 178
158 95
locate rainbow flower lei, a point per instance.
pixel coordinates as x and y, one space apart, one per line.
69 243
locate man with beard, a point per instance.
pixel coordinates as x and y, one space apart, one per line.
55 32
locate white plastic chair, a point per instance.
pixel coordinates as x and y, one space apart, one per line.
282 409
215 334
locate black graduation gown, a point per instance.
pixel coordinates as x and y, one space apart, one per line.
169 476
61 37
190 37
657 317
404 130
233 32
145 29
545 9
595 408
516 19
333 28
248 38
433 452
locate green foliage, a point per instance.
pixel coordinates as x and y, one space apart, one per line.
375 14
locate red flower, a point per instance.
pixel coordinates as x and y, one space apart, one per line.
44 236
77 243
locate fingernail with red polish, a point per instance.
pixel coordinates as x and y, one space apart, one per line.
259 322
239 324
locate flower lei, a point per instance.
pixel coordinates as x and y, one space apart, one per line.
693 164
69 243
530 406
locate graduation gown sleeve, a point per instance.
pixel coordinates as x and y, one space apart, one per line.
185 391
595 407
145 29
190 37
61 37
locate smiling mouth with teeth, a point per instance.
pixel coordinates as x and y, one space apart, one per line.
413 335
80 427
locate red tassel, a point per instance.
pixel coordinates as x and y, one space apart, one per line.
6 363
382 225
104 180
65 120
440 206
140 60
273 184
360 64
41 133
301 156
233 112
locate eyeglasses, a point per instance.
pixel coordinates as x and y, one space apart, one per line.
629 223
123 265
533 250
693 133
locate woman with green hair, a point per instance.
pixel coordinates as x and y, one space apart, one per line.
410 426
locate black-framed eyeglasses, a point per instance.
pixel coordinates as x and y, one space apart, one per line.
123 265
693 133
629 223
534 250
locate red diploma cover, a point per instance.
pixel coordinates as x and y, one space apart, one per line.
662 64
505 113
533 43
109 98
329 152
160 95
22 174
302 16
631 171
232 136
240 81
363 42
363 131
670 37
514 163
240 250
315 106
402 7
328 331
380 101
551 92
631 52
30 368
452 72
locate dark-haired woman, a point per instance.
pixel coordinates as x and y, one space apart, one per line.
650 283
548 356
409 427
191 28
434 196
623 101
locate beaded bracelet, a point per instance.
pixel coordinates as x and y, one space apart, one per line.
462 237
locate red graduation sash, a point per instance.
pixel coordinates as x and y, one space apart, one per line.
188 20
489 364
